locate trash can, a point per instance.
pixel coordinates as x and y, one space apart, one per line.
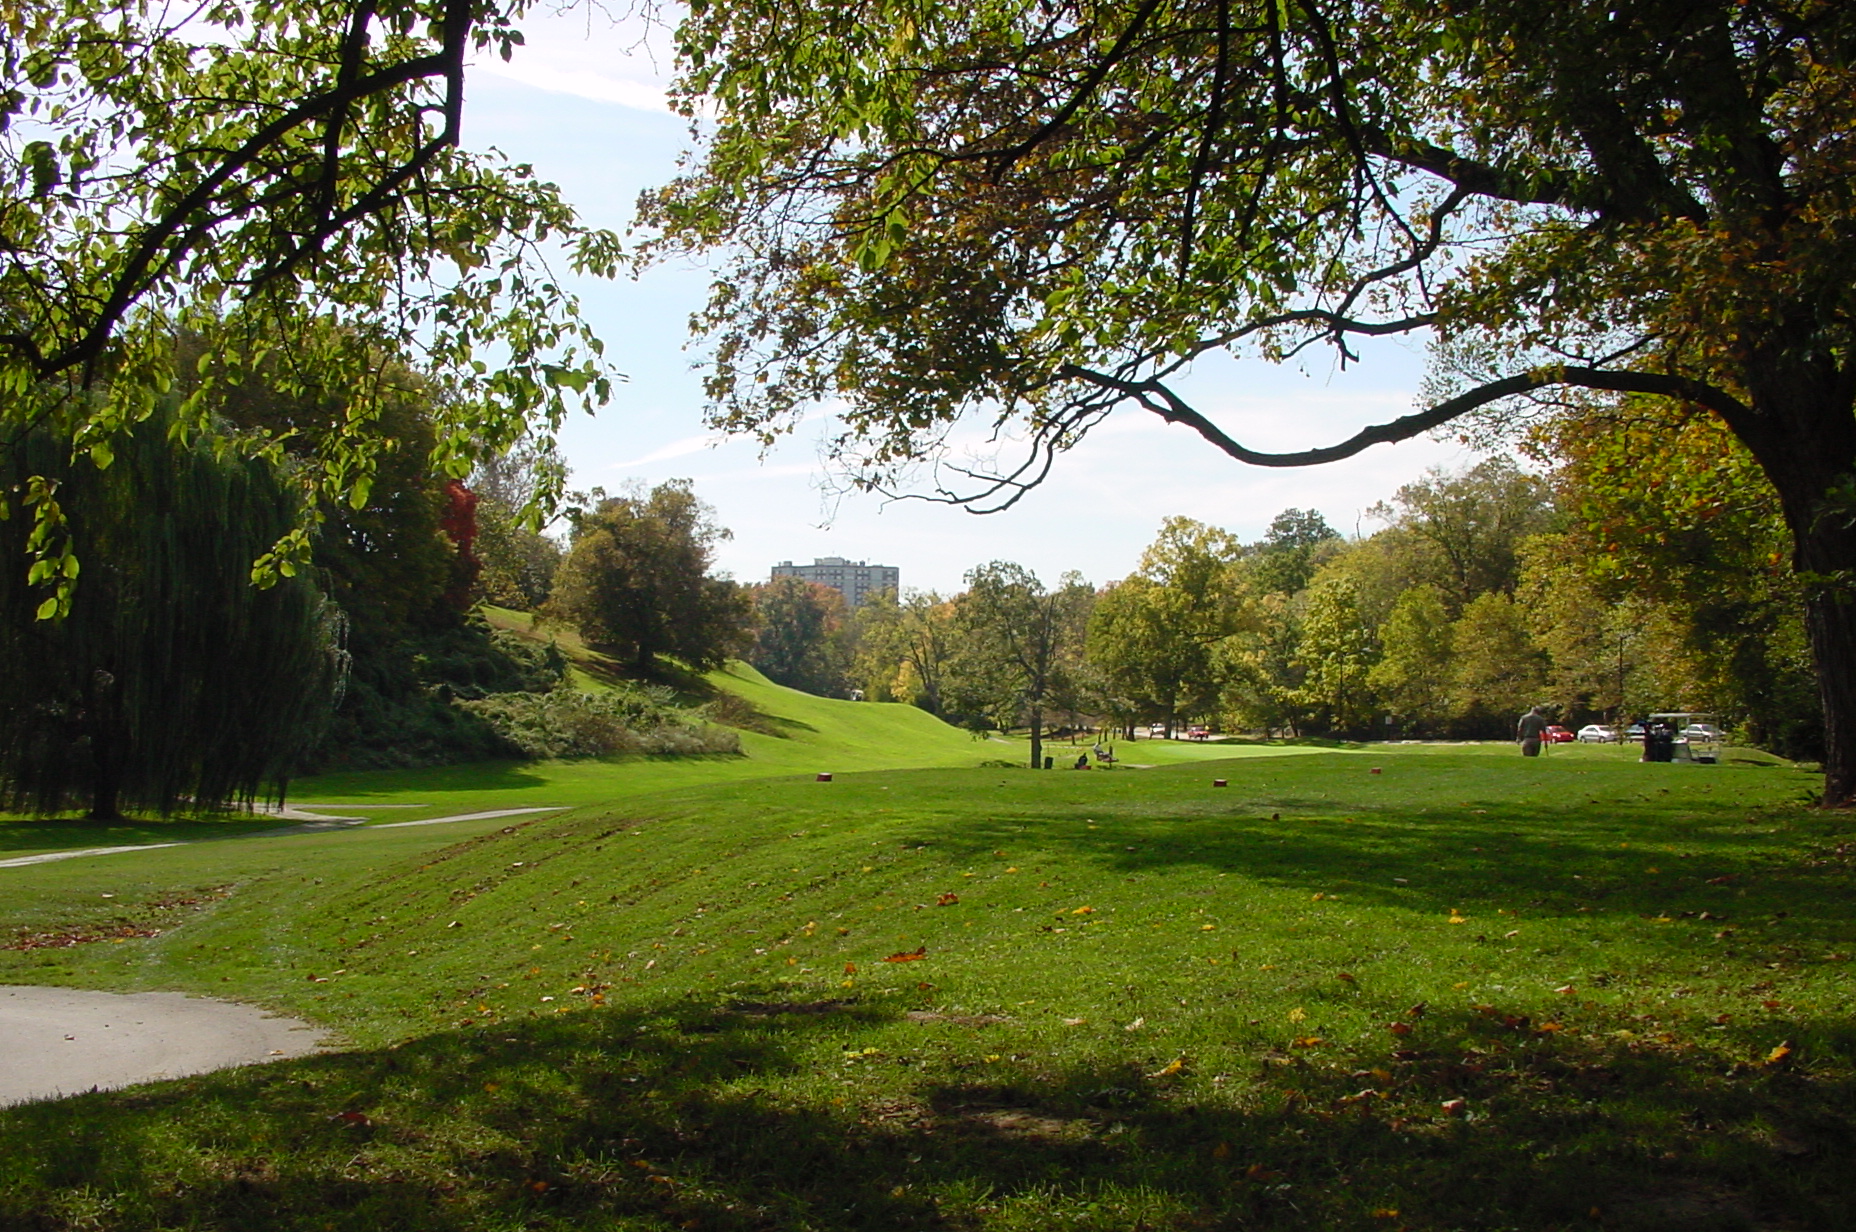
1049 762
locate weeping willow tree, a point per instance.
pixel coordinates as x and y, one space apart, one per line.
172 681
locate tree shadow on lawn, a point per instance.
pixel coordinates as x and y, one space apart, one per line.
361 785
1536 858
60 833
679 1116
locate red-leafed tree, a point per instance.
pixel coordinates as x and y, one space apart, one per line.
459 522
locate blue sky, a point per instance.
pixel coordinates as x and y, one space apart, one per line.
583 103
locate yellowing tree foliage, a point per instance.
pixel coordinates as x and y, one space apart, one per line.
1041 213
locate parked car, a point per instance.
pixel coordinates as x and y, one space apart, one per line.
1157 730
1556 734
1596 733
1701 731
1198 731
1634 733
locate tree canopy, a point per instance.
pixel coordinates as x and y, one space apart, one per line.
249 175
1022 644
175 681
800 640
1045 212
636 581
1155 634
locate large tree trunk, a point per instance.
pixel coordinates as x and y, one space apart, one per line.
1037 738
108 745
105 802
1830 619
1804 435
1826 561
106 754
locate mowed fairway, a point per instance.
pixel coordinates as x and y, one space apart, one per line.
1468 991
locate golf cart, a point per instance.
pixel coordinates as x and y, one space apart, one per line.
1684 736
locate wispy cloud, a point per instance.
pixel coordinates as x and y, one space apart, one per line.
679 448
541 73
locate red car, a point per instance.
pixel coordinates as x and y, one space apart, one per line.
1558 735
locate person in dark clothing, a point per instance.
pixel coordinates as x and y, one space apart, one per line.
1529 732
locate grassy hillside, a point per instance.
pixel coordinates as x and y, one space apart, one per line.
800 734
786 732
1422 989
797 733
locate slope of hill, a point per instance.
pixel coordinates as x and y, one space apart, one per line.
1451 986
783 732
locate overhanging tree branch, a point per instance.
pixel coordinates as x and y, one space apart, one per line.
179 227
1156 396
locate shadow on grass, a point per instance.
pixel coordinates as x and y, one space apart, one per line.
49 834
1297 742
1650 855
466 776
701 1116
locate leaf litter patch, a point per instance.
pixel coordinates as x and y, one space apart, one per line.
774 1009
958 1020
1009 1113
148 919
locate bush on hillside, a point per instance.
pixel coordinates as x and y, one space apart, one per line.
569 723
399 709
478 661
734 710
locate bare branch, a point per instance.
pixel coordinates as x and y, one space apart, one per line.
1162 401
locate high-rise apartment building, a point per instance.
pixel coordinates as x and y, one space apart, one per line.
853 579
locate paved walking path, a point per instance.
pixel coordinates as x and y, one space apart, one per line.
65 1041
308 823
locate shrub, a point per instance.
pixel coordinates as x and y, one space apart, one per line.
398 709
734 710
569 723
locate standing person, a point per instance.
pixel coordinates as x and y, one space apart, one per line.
1529 730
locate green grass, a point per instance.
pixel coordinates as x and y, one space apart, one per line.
1142 1002
802 734
808 735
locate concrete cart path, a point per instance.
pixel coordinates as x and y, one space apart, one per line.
64 1041
309 823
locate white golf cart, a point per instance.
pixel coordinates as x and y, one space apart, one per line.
1692 736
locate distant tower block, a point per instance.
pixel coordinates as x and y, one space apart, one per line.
853 579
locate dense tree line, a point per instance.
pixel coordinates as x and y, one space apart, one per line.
1634 572
1636 567
184 655
175 668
